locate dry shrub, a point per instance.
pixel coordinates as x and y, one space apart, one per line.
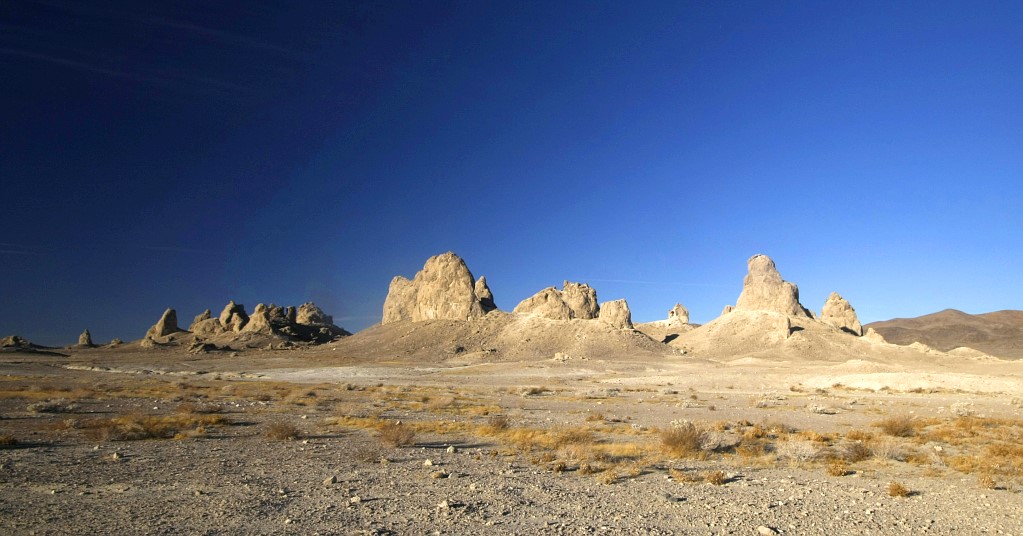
895 489
889 448
683 439
898 426
7 440
395 434
752 448
837 467
199 407
987 482
281 431
683 477
799 450
595 417
138 426
856 452
62 405
496 424
444 402
718 478
859 435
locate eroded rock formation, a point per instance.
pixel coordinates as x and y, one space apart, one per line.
167 324
837 312
85 339
617 314
575 300
764 290
443 289
678 315
484 294
233 317
547 303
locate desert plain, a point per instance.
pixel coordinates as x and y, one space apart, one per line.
560 417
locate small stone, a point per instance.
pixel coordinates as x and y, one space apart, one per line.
428 463
355 499
439 474
288 521
332 479
116 456
452 449
444 504
766 531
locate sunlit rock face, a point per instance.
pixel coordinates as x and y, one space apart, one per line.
443 289
763 289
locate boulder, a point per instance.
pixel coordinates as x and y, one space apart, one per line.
838 313
167 324
764 290
483 293
616 313
678 315
547 303
582 299
85 339
443 289
233 317
309 314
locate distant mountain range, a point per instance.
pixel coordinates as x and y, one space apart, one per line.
999 333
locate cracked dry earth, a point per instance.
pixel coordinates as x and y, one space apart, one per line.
567 458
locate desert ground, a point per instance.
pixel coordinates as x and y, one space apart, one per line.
560 417
310 440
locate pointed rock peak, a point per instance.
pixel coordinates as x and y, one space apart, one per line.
85 339
233 317
443 289
484 294
838 313
678 314
167 324
764 290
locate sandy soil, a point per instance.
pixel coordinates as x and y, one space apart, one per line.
339 476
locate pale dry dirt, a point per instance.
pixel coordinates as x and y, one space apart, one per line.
613 476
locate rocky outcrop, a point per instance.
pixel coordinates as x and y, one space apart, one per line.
204 325
233 317
764 290
678 315
305 323
838 313
259 321
308 314
617 314
547 303
167 325
575 300
727 309
443 289
582 299
485 296
85 339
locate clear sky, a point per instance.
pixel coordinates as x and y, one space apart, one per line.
182 154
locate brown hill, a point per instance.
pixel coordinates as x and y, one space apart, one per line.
999 333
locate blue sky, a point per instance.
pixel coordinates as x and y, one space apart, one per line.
182 154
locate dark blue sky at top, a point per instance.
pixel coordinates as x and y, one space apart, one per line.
182 154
